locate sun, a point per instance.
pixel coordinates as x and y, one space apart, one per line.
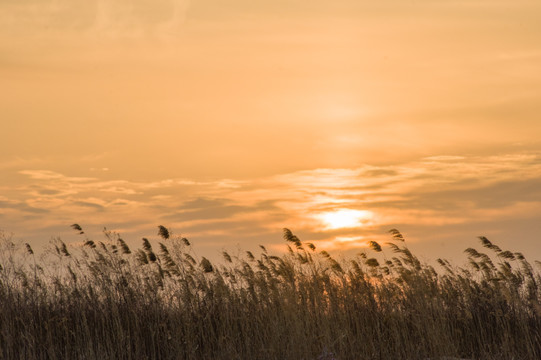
344 218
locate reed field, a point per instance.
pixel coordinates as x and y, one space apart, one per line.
103 300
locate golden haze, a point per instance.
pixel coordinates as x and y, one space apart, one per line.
227 121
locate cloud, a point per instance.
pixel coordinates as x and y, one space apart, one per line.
423 197
20 207
52 175
444 158
201 203
94 17
213 212
89 205
436 191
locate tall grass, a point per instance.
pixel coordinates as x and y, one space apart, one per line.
103 300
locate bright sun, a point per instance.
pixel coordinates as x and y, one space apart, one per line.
344 218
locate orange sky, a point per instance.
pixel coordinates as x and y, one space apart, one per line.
228 120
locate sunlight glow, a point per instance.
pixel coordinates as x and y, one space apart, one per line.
344 218
349 239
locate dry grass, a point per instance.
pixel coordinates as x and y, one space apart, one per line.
106 301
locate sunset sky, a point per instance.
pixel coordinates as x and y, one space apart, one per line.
227 121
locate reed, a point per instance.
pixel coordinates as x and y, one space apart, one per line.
103 300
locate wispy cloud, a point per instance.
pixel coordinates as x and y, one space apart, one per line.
124 18
435 192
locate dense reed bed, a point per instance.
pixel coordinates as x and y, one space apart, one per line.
102 300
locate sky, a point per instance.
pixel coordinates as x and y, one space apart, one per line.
227 121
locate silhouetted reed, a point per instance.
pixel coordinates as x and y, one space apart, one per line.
103 300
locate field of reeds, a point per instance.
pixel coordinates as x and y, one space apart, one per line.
103 300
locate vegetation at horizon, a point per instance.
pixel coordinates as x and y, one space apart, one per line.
103 300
